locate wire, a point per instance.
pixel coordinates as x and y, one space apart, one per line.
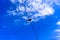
33 30
35 33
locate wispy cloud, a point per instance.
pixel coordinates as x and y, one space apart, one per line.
58 23
37 8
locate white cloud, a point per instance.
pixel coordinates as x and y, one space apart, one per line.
11 12
25 17
47 11
21 1
58 23
13 1
57 30
57 36
57 2
20 8
37 8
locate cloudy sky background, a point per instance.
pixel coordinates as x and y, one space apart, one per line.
15 26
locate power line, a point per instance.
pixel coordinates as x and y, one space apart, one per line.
33 29
35 32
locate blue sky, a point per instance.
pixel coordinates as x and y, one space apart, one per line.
10 30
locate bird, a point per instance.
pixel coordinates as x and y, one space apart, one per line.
29 19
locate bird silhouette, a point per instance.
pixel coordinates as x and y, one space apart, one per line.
29 19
